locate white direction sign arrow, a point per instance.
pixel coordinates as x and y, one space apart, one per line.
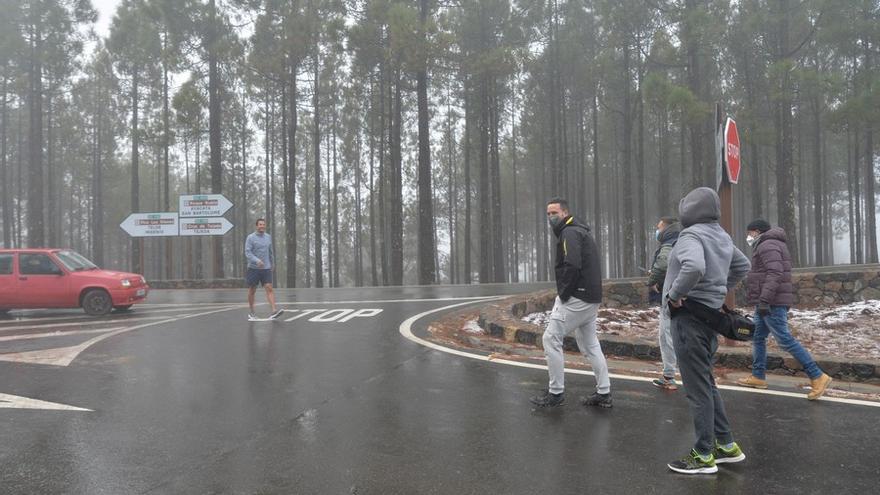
151 224
17 402
203 205
204 226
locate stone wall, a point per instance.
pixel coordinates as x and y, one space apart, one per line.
813 287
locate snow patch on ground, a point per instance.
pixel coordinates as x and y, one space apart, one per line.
848 331
471 326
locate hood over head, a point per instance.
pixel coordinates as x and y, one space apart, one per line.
701 205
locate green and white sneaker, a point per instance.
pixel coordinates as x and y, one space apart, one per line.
694 463
722 455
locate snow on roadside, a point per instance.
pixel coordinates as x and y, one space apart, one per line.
847 331
471 326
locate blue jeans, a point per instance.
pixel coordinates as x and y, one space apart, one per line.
777 324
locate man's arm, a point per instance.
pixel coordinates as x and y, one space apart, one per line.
689 253
739 268
658 269
571 263
249 250
772 260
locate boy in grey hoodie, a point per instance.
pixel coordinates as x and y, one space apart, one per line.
703 266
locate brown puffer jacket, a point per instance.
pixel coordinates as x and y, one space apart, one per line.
769 281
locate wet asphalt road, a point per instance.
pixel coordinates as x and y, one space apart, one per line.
185 396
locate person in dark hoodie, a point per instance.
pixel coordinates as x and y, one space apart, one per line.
703 266
771 291
579 292
667 232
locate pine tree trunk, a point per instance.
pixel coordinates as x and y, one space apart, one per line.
5 175
136 265
396 203
98 179
468 130
214 116
166 145
316 143
426 209
35 213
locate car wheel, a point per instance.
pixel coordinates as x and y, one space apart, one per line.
97 302
123 308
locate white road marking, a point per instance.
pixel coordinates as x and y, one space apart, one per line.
57 333
331 315
361 313
63 356
406 330
302 312
8 401
97 322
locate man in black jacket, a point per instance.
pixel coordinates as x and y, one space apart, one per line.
579 292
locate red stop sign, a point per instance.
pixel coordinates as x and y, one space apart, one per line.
731 151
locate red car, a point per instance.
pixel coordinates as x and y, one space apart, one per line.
61 278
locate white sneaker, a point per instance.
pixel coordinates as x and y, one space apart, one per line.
276 314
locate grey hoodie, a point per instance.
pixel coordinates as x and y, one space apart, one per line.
704 264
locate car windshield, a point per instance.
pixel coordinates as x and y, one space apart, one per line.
74 261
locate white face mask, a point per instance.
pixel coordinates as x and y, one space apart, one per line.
751 240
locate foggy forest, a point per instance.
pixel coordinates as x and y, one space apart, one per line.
392 142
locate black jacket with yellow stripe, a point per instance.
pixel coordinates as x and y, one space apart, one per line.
578 273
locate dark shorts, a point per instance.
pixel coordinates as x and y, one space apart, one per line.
258 276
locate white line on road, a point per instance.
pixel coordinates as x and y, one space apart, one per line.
406 330
8 401
57 333
82 323
63 356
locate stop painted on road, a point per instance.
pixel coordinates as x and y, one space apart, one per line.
339 315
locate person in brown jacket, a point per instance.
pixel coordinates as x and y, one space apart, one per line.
770 289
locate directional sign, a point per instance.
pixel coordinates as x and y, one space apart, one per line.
204 226
151 224
203 205
731 151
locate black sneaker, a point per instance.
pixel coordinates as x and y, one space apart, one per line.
547 399
693 463
276 314
597 399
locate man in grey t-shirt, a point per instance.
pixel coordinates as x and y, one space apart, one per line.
260 260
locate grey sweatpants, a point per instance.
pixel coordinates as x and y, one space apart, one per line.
667 348
580 317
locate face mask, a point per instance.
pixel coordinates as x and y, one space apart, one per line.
751 240
657 234
555 221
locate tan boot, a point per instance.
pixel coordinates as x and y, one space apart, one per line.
819 385
752 381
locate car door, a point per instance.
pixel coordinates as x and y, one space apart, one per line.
42 283
8 281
